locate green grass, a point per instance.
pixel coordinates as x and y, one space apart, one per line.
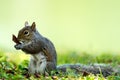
87 58
11 69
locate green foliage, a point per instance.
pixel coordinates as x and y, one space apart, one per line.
12 71
108 58
87 58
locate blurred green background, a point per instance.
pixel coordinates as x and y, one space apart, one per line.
78 25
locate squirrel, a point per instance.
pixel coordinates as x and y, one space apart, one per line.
42 51
44 57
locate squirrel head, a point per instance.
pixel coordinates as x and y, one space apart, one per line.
26 33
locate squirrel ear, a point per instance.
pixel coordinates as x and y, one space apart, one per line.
33 26
26 23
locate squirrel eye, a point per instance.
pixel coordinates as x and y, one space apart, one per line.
26 33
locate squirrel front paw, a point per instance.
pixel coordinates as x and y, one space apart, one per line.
18 46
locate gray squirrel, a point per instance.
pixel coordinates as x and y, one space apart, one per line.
42 51
43 54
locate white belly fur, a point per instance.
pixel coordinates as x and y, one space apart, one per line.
37 63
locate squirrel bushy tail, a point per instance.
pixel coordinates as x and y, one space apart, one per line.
85 70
